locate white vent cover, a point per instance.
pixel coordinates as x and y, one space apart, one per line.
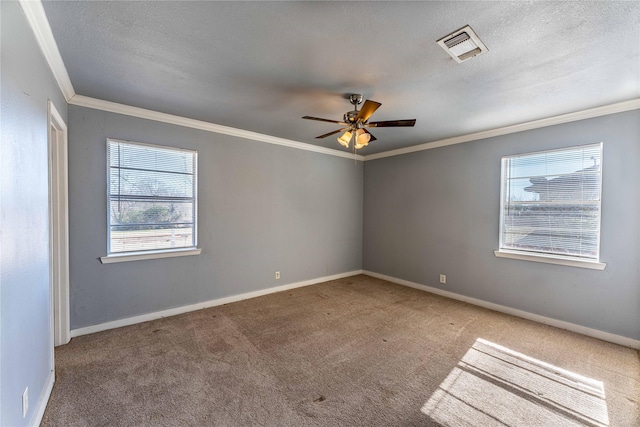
463 44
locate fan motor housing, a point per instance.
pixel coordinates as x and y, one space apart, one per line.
350 116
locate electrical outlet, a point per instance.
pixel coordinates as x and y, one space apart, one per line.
277 275
443 278
25 402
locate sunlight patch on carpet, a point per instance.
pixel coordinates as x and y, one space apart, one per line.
495 386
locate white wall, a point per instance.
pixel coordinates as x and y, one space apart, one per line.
262 208
437 212
25 341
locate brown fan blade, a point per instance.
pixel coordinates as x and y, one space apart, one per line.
324 120
373 138
331 133
391 123
367 110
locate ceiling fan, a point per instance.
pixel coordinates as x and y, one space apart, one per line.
356 122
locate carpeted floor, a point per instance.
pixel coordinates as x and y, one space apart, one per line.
352 352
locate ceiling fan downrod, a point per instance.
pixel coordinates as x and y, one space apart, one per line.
351 116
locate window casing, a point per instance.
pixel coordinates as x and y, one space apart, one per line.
151 198
550 203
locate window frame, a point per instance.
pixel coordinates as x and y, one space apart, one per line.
546 257
114 257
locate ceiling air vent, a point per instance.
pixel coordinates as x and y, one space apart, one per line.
462 44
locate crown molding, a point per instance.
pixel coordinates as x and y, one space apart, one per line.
37 19
619 107
113 107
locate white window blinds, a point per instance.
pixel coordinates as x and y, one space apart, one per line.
151 197
550 202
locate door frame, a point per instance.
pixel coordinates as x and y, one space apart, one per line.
58 227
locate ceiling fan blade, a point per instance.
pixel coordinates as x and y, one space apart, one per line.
373 138
331 133
391 123
324 120
367 110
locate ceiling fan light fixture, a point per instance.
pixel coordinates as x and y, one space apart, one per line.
356 121
362 139
345 139
463 44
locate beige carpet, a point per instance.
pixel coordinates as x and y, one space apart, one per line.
352 352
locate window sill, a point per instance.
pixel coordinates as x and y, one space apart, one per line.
550 259
138 256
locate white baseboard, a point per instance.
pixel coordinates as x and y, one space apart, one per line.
595 333
43 400
206 304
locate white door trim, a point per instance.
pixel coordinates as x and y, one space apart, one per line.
59 226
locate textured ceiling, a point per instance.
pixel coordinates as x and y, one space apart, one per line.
260 66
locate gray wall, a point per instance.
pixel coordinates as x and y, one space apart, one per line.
262 208
25 341
437 211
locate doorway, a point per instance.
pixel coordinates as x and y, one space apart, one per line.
59 228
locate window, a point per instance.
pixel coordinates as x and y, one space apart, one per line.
550 204
151 198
